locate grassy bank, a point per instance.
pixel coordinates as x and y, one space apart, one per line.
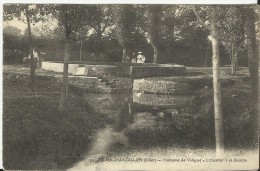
239 118
193 126
36 134
39 136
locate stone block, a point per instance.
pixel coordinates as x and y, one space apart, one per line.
177 101
161 86
81 71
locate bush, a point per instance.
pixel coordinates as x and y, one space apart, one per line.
13 56
239 118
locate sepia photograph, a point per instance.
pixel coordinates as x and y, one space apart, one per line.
120 87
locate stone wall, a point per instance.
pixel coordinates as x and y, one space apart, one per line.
157 71
112 70
161 87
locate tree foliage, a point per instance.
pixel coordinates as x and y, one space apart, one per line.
231 32
124 17
182 37
154 23
28 13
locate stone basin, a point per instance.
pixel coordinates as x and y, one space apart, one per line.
161 87
155 100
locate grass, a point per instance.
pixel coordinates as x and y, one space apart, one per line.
36 134
39 136
194 125
239 118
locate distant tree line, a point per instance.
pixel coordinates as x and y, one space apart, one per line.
110 33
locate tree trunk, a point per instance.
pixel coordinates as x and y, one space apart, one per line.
155 54
40 59
219 133
99 44
253 61
253 58
64 91
234 59
80 51
32 66
125 54
154 18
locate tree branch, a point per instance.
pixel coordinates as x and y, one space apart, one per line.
93 26
105 26
200 19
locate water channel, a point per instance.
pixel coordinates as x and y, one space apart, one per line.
128 114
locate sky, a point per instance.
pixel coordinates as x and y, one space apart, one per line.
15 23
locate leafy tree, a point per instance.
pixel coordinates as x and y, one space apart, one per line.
231 26
253 56
219 132
154 22
11 30
12 56
28 14
124 16
70 18
100 21
11 37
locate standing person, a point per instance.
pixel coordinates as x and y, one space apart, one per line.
127 60
140 58
35 57
41 57
133 58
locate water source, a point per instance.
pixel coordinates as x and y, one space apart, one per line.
127 111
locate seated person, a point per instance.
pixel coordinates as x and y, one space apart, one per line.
140 58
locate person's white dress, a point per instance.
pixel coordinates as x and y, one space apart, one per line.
140 58
35 55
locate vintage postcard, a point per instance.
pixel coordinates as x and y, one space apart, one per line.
130 87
